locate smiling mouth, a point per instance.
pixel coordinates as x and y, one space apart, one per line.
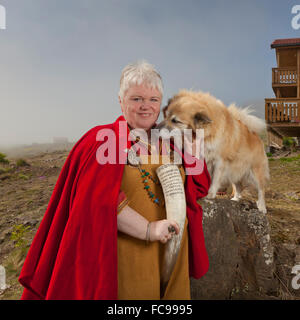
145 115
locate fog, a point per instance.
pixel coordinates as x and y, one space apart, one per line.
61 60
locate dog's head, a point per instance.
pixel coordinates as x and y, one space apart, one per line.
188 110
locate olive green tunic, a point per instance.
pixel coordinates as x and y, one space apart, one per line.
140 264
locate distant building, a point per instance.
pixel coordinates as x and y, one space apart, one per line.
60 140
282 113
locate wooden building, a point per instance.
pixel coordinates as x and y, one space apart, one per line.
282 113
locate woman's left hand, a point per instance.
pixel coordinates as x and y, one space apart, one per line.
159 230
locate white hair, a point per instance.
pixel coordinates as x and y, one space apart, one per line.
137 73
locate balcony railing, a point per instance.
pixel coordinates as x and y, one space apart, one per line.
282 110
284 76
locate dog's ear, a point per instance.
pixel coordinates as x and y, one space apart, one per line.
165 109
200 119
169 101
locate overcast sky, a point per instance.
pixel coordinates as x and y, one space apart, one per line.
61 60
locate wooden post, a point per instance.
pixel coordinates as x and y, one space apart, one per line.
266 112
278 105
298 73
277 58
278 94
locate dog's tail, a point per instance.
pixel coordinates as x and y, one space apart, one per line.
253 123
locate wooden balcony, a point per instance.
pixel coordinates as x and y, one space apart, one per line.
283 116
284 77
282 110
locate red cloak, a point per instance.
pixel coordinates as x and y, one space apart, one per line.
74 252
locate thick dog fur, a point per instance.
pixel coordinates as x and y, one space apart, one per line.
233 151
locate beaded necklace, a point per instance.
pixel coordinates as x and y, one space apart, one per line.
145 175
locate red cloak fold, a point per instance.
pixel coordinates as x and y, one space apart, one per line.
74 252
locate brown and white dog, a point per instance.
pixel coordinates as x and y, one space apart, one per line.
233 151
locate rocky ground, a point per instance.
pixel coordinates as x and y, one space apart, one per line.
26 187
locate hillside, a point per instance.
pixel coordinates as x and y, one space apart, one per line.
26 187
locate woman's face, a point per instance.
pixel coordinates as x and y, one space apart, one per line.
141 106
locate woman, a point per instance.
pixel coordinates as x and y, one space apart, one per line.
103 233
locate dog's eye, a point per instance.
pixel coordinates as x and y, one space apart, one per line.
174 120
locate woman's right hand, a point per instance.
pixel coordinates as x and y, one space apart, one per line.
159 230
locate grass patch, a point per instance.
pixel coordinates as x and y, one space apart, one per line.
22 163
290 159
3 158
23 176
2 170
18 235
289 141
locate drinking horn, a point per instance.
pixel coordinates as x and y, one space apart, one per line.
173 189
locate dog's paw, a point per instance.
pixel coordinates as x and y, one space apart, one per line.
264 211
261 207
235 199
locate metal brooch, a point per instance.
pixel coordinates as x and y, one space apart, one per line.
133 159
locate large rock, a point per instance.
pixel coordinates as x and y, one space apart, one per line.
237 238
